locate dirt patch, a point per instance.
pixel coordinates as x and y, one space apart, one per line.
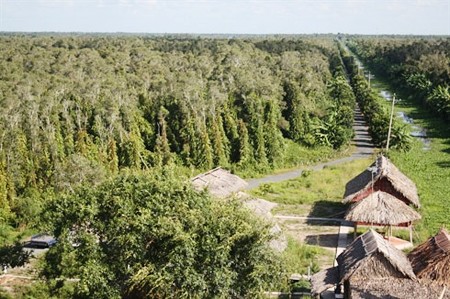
313 234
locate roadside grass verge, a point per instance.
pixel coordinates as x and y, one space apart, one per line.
295 156
314 193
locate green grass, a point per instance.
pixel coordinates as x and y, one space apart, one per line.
430 169
312 186
298 257
295 156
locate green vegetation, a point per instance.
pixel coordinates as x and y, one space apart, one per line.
313 186
376 116
417 67
300 257
429 169
153 236
98 136
75 110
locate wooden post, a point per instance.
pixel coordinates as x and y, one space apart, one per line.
390 123
410 234
369 79
355 230
347 290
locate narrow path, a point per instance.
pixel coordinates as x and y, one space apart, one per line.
361 142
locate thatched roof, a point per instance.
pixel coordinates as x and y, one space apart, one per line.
368 257
219 182
396 288
368 251
262 208
324 280
380 169
431 260
381 208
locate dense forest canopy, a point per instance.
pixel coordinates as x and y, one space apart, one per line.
153 236
77 109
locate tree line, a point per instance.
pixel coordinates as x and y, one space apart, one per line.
419 67
376 116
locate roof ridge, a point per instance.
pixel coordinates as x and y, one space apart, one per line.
207 173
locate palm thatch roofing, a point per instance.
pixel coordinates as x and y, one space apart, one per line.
262 208
381 208
366 251
368 257
431 260
396 288
324 280
219 182
381 169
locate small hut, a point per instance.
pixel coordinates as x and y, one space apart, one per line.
383 209
431 260
219 182
368 257
385 176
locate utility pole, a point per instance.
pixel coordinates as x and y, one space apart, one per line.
369 79
390 123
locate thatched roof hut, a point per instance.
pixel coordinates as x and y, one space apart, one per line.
368 257
219 182
385 176
431 260
381 208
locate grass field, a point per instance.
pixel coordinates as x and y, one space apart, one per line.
315 193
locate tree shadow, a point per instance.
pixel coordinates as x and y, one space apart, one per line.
327 209
447 150
443 164
325 240
290 296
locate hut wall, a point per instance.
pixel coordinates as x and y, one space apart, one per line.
363 194
437 271
382 184
376 266
385 185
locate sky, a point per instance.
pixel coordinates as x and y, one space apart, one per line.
421 17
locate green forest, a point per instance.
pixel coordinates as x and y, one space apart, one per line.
99 135
76 110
